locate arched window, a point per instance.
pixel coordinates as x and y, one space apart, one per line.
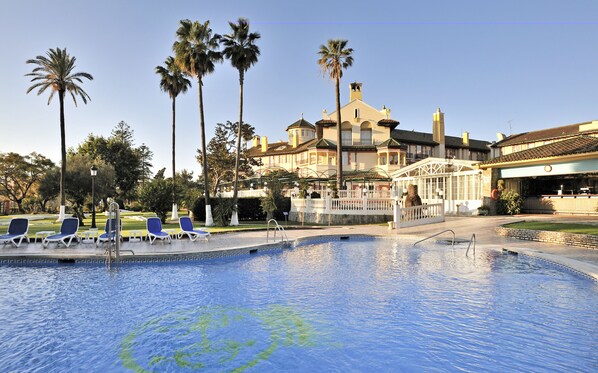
357 113
365 135
346 134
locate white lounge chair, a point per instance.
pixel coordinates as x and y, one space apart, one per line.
109 231
17 231
68 233
187 229
154 231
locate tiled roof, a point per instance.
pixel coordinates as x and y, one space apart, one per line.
392 144
326 122
413 137
301 123
546 134
391 123
457 142
572 146
322 144
281 147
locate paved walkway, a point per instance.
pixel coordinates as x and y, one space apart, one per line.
584 260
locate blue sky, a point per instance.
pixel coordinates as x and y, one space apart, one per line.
484 63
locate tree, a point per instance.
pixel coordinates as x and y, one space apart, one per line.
49 187
188 190
123 133
334 58
155 196
220 153
119 152
20 175
273 198
146 156
196 54
240 49
55 71
173 82
79 181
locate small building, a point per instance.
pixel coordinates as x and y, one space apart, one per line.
555 169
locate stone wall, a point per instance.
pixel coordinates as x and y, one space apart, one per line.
561 238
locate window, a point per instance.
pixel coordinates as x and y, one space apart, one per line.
346 137
382 159
366 136
393 158
356 113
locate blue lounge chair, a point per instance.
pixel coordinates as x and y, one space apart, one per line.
187 228
154 231
68 232
109 231
17 230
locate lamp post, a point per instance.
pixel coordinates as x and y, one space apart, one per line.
94 172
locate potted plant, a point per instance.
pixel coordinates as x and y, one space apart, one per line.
483 210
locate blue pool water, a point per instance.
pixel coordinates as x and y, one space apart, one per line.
349 306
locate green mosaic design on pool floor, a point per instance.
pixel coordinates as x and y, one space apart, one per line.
193 335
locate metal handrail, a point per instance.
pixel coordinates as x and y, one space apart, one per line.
277 227
114 208
470 241
437 234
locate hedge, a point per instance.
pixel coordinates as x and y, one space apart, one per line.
250 209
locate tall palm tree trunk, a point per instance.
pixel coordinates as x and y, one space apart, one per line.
235 216
209 219
339 147
174 215
62 157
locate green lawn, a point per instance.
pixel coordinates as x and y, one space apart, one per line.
556 227
131 221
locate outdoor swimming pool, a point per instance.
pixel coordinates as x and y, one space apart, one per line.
357 305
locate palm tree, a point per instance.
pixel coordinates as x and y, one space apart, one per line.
334 58
55 71
240 49
195 54
173 82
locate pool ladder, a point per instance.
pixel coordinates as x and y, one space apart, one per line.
438 234
471 240
114 246
277 228
113 211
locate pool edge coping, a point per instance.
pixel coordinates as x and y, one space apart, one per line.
584 268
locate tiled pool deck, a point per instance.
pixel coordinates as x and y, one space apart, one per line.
580 259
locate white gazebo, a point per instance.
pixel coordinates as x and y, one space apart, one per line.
456 182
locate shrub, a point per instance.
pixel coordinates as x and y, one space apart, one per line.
510 203
223 211
249 209
156 196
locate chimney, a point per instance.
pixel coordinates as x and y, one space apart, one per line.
385 111
500 136
355 91
264 140
466 138
438 133
438 127
319 131
255 142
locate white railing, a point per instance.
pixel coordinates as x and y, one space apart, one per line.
360 193
344 206
419 215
